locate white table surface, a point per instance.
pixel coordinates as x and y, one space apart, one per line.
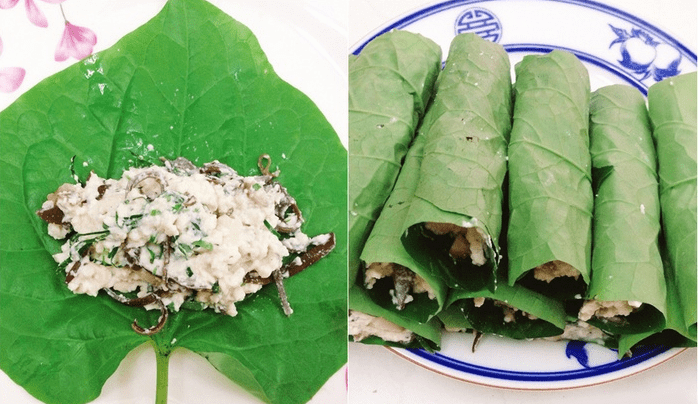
376 375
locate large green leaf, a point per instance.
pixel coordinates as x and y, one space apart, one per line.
192 82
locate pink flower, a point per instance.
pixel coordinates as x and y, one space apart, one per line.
33 13
10 77
76 42
5 4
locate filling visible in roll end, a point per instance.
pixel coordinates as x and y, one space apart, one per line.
612 311
467 241
581 331
362 326
405 280
555 269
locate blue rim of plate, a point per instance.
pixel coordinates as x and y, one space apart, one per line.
643 353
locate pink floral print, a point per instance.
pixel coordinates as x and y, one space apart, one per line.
10 77
77 42
35 15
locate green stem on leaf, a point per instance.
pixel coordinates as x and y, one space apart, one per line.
162 359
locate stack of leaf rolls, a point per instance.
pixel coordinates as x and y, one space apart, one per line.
537 209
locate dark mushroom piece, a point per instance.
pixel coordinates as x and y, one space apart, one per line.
279 280
307 259
476 340
404 280
53 215
140 302
281 209
146 188
287 202
70 274
264 169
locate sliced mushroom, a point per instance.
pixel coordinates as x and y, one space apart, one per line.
283 226
303 261
157 327
278 279
179 165
140 302
264 169
150 183
404 280
476 340
70 274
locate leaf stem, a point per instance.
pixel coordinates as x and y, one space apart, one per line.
162 360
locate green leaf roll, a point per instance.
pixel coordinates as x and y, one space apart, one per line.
426 334
454 222
384 253
511 311
390 83
675 333
626 264
672 109
550 198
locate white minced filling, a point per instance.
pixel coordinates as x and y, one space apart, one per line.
218 231
379 270
363 325
468 240
607 309
555 269
581 331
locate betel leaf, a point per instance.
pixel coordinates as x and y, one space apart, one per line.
427 334
466 128
384 245
390 84
550 198
672 109
626 225
191 82
489 317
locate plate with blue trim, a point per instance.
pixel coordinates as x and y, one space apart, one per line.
617 48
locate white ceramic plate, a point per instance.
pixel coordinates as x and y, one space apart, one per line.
304 40
616 47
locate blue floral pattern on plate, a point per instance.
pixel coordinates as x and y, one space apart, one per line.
644 55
